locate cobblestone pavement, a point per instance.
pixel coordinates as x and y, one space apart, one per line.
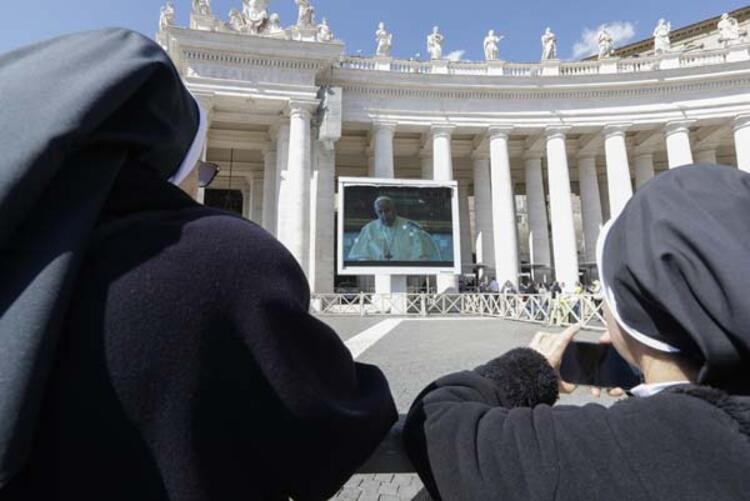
419 351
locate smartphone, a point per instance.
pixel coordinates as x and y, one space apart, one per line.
596 364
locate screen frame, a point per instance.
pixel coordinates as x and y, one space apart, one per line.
341 269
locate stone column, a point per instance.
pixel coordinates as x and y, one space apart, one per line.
561 208
618 170
706 156
644 169
591 205
443 171
383 133
465 222
427 171
293 195
269 189
247 202
678 143
282 161
742 141
485 245
536 206
256 197
504 227
322 213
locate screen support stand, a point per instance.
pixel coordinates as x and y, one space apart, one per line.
447 283
391 291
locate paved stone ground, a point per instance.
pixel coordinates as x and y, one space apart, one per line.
419 351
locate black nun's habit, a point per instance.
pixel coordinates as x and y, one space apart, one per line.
152 348
675 267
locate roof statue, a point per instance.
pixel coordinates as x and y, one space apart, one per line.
549 45
236 21
435 44
324 31
202 7
729 30
606 44
255 13
385 41
167 16
305 13
491 49
273 26
662 43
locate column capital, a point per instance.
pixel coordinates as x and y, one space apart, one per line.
269 149
480 154
499 131
554 131
438 130
302 107
741 121
678 126
388 125
644 154
614 130
533 155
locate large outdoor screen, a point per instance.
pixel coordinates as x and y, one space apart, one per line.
397 226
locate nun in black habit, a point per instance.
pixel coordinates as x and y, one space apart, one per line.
152 348
675 268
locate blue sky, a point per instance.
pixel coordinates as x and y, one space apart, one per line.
464 23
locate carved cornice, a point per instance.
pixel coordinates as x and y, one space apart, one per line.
574 92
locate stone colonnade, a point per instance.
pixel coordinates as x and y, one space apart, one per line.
294 198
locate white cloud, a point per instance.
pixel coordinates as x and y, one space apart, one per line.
456 55
622 32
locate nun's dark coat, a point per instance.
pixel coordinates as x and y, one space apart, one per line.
492 434
190 369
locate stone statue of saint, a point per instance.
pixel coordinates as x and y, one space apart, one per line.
324 31
491 50
549 45
166 16
273 25
236 21
255 13
435 44
729 30
305 13
662 43
606 44
385 41
202 7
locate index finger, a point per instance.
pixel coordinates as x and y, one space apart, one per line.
569 333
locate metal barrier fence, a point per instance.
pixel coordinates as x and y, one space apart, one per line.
565 309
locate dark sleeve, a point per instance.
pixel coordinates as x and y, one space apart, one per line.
241 392
326 412
475 434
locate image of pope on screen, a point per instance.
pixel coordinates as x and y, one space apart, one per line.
391 237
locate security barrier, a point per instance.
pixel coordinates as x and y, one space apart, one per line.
562 310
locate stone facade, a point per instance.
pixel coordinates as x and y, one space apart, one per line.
562 144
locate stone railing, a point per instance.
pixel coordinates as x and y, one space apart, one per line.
667 61
562 310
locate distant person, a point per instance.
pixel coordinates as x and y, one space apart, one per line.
493 286
393 238
508 288
152 348
675 269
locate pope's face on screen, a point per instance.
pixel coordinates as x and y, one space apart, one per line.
385 211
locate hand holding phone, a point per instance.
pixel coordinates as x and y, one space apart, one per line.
596 364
